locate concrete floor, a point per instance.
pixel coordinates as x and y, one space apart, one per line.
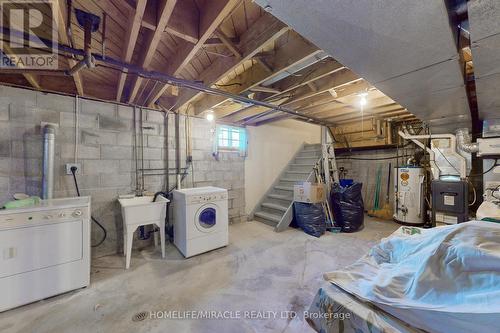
259 271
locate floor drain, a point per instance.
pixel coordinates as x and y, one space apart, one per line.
140 316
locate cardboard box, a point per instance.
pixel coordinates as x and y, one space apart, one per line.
309 192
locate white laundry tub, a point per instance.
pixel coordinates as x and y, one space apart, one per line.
139 211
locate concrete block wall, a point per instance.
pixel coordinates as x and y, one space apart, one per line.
106 153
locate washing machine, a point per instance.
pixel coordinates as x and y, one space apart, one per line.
200 219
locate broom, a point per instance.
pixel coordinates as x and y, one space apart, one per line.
375 208
385 212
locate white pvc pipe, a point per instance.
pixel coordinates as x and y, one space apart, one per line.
434 168
453 148
77 126
49 138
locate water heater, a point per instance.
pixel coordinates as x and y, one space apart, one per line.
409 195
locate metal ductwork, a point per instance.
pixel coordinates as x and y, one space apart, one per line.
49 139
405 48
464 141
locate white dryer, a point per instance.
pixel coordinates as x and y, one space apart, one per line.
44 250
200 219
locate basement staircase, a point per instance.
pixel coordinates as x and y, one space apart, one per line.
276 207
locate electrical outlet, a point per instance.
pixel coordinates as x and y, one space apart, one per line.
70 165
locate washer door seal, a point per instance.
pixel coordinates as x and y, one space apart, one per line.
206 218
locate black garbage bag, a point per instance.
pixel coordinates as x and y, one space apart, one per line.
310 218
348 207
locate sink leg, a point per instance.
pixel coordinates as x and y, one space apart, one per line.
124 241
130 238
156 239
162 238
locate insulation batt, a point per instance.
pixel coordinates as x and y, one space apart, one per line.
445 279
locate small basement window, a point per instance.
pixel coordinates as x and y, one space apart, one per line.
231 138
228 138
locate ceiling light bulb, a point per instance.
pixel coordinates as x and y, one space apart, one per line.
362 99
210 116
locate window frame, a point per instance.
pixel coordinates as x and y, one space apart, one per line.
230 130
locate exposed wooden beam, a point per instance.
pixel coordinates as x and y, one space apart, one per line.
134 26
32 80
336 81
352 108
344 109
165 10
64 39
345 79
309 75
306 76
312 86
265 89
218 42
388 114
150 16
184 23
131 4
182 35
263 32
212 15
264 64
227 43
400 115
290 54
357 115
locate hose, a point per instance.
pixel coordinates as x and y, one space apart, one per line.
483 173
370 159
105 233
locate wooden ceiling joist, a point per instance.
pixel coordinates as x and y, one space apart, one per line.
344 81
130 41
228 43
301 78
347 108
184 23
218 42
389 114
307 76
165 10
401 117
359 116
62 15
289 55
264 31
33 81
211 17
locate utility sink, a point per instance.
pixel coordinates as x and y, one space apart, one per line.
139 211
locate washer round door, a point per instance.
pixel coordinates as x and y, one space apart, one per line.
206 218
